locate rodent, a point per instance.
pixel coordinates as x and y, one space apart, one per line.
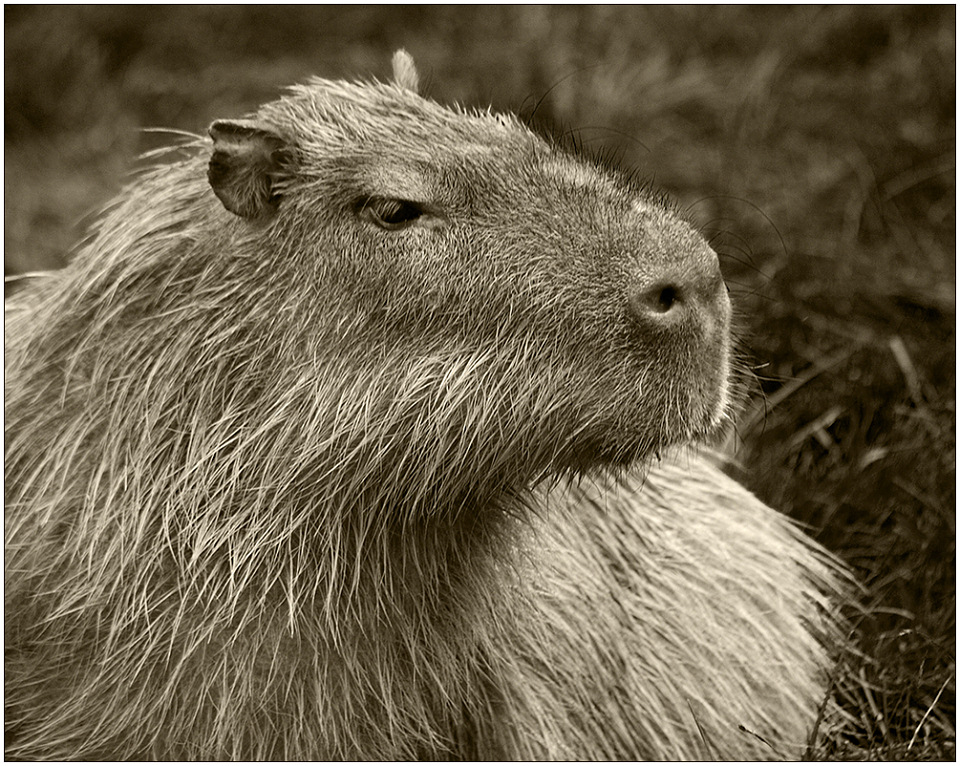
353 434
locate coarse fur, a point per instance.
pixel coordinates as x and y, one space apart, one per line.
341 437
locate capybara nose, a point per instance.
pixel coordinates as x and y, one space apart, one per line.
676 295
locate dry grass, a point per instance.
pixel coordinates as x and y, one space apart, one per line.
815 145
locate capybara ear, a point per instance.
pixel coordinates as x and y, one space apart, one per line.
246 163
405 71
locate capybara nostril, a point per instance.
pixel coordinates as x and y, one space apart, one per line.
690 294
657 301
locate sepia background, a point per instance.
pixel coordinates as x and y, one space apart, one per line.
814 146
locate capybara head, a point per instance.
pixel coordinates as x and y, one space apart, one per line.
490 296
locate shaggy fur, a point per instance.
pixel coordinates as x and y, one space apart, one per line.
369 467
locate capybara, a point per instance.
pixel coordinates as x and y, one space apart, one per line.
359 432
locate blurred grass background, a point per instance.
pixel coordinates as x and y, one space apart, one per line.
814 145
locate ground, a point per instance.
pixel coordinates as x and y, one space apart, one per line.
815 146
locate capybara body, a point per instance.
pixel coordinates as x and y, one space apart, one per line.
353 435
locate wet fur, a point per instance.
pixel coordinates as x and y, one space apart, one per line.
278 488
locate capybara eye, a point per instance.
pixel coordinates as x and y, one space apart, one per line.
390 214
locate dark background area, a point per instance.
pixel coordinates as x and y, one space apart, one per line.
814 146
